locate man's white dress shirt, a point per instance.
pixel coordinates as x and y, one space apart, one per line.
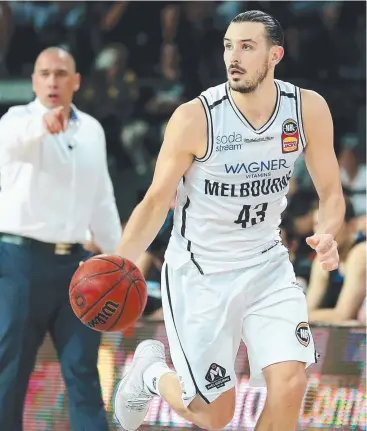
54 188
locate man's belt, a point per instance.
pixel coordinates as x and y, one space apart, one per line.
60 248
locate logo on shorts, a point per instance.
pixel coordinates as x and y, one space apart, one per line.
303 333
216 376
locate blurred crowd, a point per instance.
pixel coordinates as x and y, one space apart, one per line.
140 60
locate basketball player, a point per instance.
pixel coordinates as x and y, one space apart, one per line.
231 153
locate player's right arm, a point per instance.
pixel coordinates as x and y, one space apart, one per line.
185 138
20 130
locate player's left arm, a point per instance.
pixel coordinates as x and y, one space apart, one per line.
323 167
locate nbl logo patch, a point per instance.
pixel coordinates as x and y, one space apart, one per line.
216 376
290 136
303 333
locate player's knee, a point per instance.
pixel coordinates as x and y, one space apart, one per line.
289 382
216 415
216 420
294 387
219 420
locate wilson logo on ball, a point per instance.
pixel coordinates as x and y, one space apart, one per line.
107 311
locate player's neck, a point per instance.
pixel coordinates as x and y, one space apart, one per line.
260 102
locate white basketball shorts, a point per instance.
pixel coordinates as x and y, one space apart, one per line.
206 316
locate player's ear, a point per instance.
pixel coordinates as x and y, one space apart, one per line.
277 53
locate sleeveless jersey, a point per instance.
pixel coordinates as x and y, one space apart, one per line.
229 203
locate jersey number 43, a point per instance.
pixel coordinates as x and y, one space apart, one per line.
251 215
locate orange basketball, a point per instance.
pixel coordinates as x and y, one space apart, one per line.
108 293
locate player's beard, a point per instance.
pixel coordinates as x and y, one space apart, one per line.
250 85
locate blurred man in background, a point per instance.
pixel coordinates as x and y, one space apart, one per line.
55 186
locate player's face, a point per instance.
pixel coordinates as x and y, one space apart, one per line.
54 79
247 56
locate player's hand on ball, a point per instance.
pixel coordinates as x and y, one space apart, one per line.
326 249
56 120
97 255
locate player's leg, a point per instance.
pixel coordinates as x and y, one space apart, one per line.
149 376
203 323
185 394
213 416
279 342
77 348
286 384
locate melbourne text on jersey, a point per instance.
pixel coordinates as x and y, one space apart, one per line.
251 188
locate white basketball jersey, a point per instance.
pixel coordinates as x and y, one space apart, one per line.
229 203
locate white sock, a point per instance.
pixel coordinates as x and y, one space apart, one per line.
153 374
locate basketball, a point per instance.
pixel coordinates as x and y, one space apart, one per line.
108 293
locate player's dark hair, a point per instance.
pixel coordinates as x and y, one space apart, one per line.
274 31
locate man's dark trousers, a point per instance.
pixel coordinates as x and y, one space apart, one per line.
34 299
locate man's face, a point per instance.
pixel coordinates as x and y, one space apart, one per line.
247 56
54 79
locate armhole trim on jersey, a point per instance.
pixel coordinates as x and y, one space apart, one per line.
299 117
209 130
205 399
